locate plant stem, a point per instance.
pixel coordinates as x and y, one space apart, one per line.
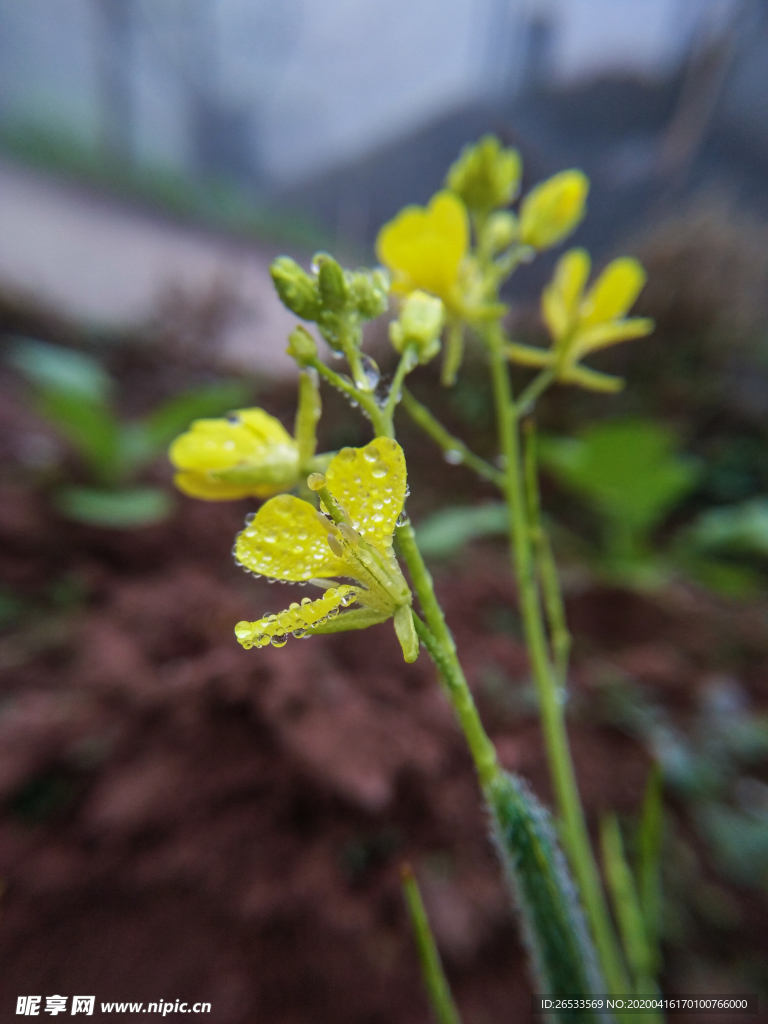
382 424
435 981
454 353
534 391
407 362
560 637
423 418
482 750
573 825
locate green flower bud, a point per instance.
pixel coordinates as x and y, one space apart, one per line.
296 288
419 326
302 346
485 175
370 292
552 210
499 232
332 282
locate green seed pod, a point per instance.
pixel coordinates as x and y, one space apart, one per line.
334 291
486 176
296 288
552 922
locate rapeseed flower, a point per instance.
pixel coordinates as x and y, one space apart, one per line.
581 323
248 453
362 496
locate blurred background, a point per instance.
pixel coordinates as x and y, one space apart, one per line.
183 819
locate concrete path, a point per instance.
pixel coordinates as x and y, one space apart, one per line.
106 263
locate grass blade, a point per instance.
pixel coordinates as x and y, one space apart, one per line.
435 981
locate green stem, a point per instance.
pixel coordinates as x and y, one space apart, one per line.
423 418
382 425
573 825
560 637
534 391
407 362
454 353
435 981
482 750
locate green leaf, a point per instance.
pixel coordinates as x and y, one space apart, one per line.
626 906
118 510
88 425
626 469
737 529
445 532
54 368
174 416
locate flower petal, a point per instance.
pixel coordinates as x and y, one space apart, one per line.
369 484
200 485
602 335
286 541
592 380
527 355
218 444
426 246
614 292
297 619
560 300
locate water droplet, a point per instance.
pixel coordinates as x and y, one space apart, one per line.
279 641
271 579
299 634
380 470
233 418
402 519
306 600
262 640
407 491
353 404
333 612
371 454
249 518
371 374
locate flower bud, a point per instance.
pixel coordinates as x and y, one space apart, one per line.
485 175
370 291
302 346
296 288
551 210
419 326
334 291
499 232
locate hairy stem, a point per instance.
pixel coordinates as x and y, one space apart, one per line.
573 824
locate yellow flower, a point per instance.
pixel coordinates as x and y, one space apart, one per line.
248 453
580 324
362 496
427 248
553 208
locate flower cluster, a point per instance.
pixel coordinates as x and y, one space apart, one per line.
581 323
